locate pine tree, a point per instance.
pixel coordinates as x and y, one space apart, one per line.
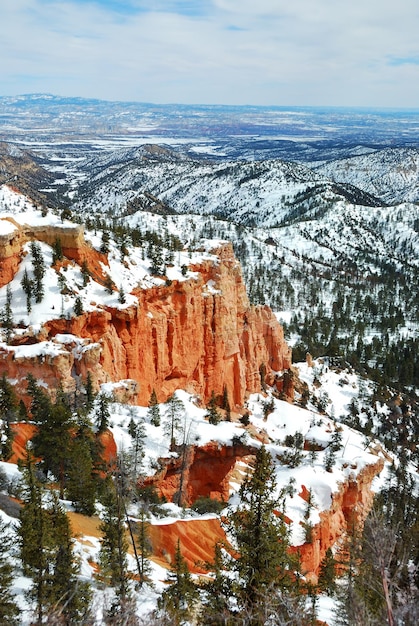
7 444
137 432
7 315
217 591
226 404
38 271
114 545
180 597
143 545
212 413
102 412
173 418
27 286
327 573
154 409
329 459
47 555
9 610
8 400
81 485
104 248
336 440
34 532
57 251
64 590
78 306
55 423
261 536
85 272
90 395
121 295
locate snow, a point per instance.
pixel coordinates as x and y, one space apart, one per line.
6 227
286 419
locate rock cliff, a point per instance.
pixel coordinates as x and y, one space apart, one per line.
350 505
199 334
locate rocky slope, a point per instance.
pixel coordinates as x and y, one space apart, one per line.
199 333
251 193
391 174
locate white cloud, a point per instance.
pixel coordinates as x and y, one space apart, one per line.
225 51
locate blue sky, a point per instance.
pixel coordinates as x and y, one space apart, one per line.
268 52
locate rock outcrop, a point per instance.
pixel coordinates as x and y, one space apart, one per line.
185 478
199 334
350 505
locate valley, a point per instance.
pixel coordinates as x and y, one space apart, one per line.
193 295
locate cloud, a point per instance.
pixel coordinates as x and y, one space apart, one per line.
213 51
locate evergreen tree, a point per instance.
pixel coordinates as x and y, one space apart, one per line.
261 536
78 306
137 432
47 554
27 286
64 591
6 316
336 439
8 400
34 532
217 592
40 402
212 413
329 459
85 272
173 419
90 394
81 484
102 412
104 248
38 271
143 545
154 409
114 545
55 423
57 251
226 404
7 444
9 610
327 573
179 599
121 295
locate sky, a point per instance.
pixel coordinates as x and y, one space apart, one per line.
262 52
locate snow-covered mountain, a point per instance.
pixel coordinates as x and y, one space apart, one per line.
268 193
76 323
391 174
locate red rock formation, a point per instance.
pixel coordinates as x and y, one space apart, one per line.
198 537
199 334
10 252
22 433
197 540
206 471
351 503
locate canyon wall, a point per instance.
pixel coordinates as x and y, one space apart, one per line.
199 334
350 506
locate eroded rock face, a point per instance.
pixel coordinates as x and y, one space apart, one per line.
203 471
350 504
208 471
200 334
